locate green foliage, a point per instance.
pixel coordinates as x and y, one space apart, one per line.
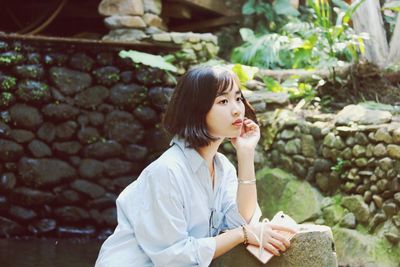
244 73
291 86
338 167
154 61
318 43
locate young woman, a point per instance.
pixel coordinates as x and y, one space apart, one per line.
190 206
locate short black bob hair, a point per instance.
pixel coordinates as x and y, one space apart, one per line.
193 98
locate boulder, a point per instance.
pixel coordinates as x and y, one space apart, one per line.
278 190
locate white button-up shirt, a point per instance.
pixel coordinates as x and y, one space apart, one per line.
170 214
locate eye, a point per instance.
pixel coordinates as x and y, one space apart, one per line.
224 101
239 99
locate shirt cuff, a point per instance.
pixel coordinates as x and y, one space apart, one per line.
208 246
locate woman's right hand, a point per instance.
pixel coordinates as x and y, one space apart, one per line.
272 240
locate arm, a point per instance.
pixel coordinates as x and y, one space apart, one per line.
245 145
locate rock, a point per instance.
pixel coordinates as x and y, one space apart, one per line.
88 135
22 214
109 217
390 209
60 112
146 115
322 165
312 247
87 188
121 7
361 162
126 35
66 130
103 202
91 97
287 134
47 132
71 214
127 96
66 148
363 250
44 172
153 20
30 197
393 151
396 220
386 164
358 151
34 71
383 135
160 97
76 232
103 150
380 150
11 58
361 138
69 81
96 118
43 226
68 197
117 167
10 151
10 228
7 182
91 169
308 147
39 149
367 196
377 200
81 61
329 140
397 198
279 190
107 76
124 21
396 136
356 205
21 136
348 221
376 221
153 6
161 37
333 214
25 116
122 127
293 146
136 152
355 114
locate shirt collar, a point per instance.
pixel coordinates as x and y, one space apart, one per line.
191 154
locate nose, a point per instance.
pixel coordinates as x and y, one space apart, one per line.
236 110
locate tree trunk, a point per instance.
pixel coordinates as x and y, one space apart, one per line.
368 18
394 54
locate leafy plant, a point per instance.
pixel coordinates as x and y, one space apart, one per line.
154 61
319 43
338 167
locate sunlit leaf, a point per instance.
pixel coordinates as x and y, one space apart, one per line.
154 61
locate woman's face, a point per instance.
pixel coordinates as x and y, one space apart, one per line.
225 118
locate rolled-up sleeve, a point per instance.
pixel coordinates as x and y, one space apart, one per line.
161 228
232 216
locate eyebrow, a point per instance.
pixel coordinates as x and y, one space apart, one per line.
227 92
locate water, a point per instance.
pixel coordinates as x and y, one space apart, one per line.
48 252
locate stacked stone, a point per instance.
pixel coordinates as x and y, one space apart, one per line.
76 128
361 161
138 20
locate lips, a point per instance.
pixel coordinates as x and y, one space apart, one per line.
237 122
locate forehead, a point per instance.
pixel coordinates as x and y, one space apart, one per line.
227 83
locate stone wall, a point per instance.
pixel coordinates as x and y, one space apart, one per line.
354 154
77 124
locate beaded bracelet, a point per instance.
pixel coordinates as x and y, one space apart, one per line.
246 238
241 181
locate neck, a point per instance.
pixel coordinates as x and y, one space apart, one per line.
208 152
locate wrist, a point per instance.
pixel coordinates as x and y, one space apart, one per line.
245 154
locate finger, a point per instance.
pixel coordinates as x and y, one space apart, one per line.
282 228
281 238
272 249
278 244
